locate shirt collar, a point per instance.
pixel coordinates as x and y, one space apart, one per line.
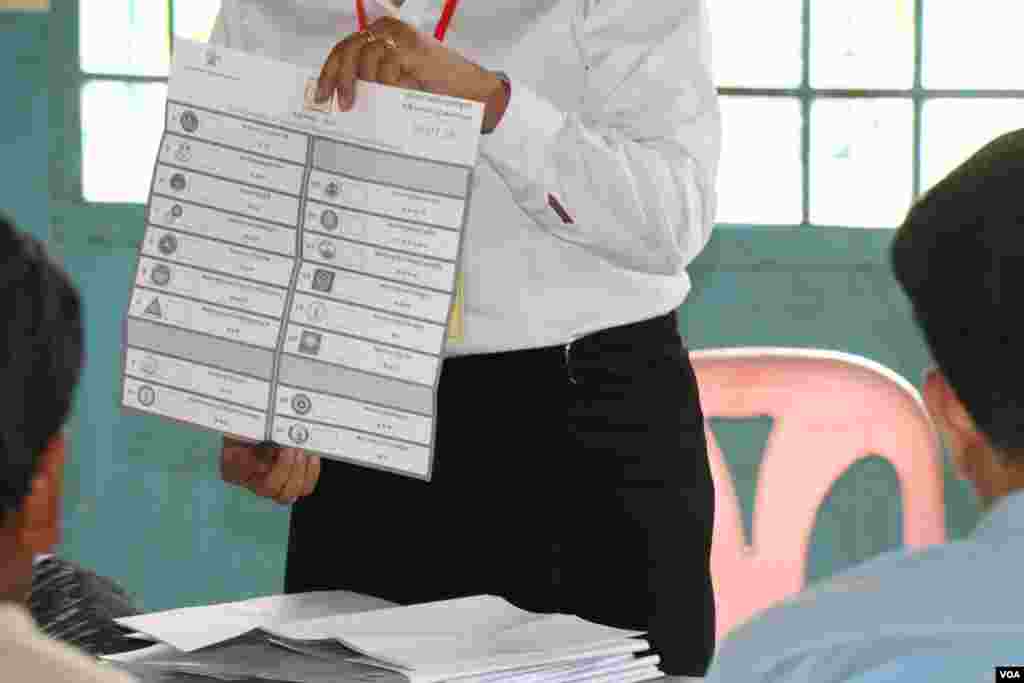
1003 520
412 11
15 618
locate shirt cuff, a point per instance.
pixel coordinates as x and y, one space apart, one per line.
520 141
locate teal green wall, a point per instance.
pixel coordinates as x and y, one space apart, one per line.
144 503
23 116
824 288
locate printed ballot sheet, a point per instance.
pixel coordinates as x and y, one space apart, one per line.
297 272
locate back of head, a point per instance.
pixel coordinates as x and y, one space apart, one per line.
960 258
40 358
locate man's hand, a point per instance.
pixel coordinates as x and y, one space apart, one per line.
281 474
392 52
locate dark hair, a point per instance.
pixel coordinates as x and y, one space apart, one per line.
40 358
960 258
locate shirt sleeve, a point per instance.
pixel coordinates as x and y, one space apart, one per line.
220 35
760 657
630 173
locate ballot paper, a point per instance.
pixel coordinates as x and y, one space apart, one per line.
462 637
253 660
256 661
480 639
299 264
192 628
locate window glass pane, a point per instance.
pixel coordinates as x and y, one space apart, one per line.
861 161
946 142
864 44
756 44
193 19
973 46
121 127
759 179
126 37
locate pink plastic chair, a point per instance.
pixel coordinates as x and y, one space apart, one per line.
830 409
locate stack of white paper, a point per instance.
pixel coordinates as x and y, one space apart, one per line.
193 628
481 639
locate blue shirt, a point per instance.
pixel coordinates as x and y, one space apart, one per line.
958 599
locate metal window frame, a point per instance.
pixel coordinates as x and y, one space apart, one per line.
69 175
66 16
806 95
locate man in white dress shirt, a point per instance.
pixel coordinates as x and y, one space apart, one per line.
40 364
570 466
960 257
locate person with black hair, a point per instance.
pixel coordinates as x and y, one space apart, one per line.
40 362
942 610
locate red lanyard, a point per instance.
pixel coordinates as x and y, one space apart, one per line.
439 31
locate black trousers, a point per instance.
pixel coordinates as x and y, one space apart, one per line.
571 480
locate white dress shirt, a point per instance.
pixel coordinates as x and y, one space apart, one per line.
954 600
613 112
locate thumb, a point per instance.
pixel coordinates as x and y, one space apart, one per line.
261 460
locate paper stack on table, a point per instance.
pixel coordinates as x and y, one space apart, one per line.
299 639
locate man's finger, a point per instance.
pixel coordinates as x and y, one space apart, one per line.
408 82
312 475
228 465
324 83
232 462
329 71
339 72
259 460
344 81
241 461
293 487
280 473
389 69
261 470
370 59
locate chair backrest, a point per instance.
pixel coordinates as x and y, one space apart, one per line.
830 409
